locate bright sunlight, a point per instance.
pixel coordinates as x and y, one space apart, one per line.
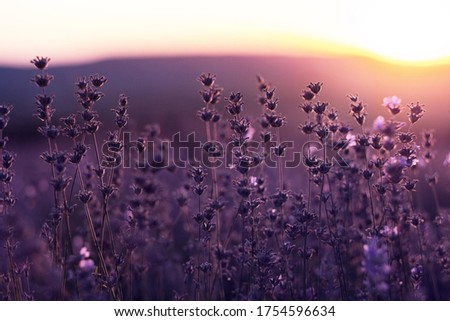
399 31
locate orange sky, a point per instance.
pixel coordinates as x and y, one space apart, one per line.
83 30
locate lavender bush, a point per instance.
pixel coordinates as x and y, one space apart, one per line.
241 215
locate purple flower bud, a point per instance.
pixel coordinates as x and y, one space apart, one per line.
40 62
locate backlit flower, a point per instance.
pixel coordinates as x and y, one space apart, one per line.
379 123
447 160
393 104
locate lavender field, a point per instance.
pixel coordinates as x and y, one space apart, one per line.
234 197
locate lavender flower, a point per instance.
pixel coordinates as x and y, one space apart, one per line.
375 265
393 104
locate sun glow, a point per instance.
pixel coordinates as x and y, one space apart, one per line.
410 32
403 31
407 32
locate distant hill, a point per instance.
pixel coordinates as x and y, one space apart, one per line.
165 90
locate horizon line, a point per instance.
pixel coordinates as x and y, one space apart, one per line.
95 60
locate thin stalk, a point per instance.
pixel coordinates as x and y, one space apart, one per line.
383 217
94 238
197 286
17 287
371 203
305 266
280 184
105 218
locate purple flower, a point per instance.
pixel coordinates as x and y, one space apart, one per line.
42 80
207 79
393 104
379 123
40 62
447 160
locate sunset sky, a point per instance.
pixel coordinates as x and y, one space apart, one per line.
86 30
